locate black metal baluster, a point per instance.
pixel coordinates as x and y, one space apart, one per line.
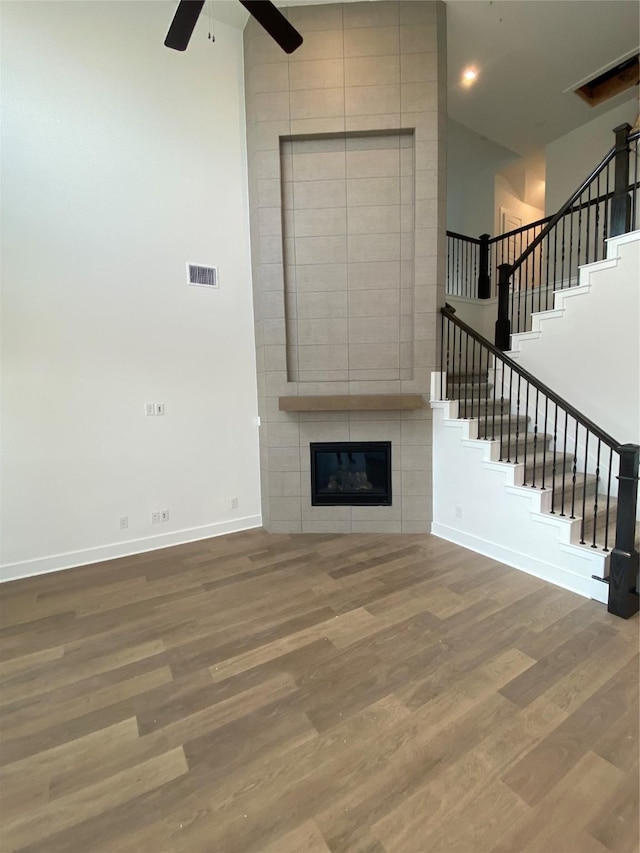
453 367
564 219
449 324
532 267
466 371
571 254
526 435
463 254
596 244
584 490
575 474
465 285
555 259
474 273
634 194
579 241
518 273
595 505
588 221
460 377
544 443
513 290
501 411
473 370
555 448
441 352
483 380
539 274
605 223
564 466
510 398
606 517
518 422
473 269
547 243
473 281
524 273
494 392
535 439
484 392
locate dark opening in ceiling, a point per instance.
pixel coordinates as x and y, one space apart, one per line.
611 82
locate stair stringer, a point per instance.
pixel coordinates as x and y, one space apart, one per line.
508 522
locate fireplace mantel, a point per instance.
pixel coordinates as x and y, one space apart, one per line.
351 403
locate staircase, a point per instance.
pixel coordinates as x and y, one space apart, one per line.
577 496
520 474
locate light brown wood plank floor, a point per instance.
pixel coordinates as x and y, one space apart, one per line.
282 694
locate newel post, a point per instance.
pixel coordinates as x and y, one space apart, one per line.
503 324
623 574
621 201
484 282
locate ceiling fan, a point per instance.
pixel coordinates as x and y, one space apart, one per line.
265 13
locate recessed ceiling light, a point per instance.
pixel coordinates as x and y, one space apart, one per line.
469 76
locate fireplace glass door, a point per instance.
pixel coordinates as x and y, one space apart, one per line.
353 473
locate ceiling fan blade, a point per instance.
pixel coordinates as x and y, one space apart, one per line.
183 24
274 23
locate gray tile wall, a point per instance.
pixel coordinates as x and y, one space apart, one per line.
346 196
347 209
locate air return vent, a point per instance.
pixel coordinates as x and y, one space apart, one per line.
201 276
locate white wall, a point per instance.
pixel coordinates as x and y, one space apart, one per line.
599 373
572 158
472 163
121 161
477 505
480 314
520 190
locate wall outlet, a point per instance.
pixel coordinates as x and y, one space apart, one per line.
159 408
234 503
149 409
164 515
458 512
155 517
123 522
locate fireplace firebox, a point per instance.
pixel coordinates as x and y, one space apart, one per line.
352 473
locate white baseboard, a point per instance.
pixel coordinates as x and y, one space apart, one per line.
523 562
73 559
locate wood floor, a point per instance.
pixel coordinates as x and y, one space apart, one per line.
305 694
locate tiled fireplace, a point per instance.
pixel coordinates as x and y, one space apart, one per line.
346 186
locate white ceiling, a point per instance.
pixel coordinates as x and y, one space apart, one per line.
528 52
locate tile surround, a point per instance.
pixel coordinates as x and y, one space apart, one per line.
346 210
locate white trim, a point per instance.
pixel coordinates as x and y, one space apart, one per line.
517 560
73 559
629 237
